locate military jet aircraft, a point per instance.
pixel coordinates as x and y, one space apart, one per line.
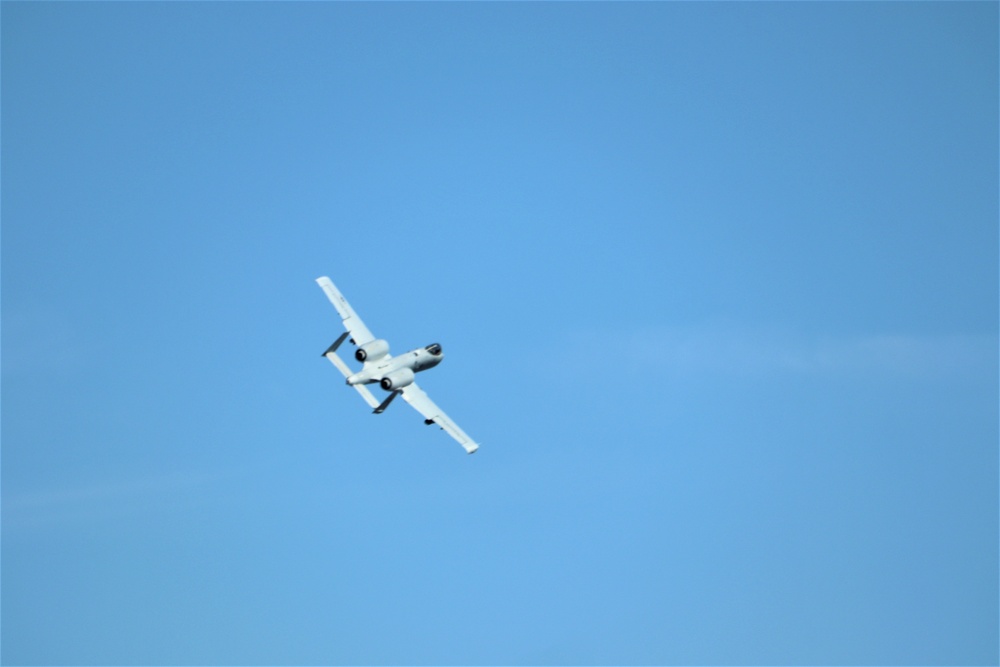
394 374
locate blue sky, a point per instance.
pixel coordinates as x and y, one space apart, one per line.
718 290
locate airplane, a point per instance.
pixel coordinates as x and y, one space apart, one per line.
393 374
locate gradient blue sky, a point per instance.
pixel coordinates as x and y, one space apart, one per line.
718 290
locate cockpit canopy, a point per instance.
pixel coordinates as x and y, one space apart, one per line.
434 349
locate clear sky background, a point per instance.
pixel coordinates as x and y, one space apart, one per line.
717 286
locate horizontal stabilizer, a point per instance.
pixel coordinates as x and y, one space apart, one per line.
346 371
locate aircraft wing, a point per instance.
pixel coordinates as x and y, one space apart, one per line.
360 335
422 403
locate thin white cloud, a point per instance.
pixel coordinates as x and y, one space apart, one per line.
910 355
40 340
99 499
752 351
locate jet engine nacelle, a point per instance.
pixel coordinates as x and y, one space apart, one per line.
372 351
397 379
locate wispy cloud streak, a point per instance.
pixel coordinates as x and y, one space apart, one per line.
753 351
102 498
